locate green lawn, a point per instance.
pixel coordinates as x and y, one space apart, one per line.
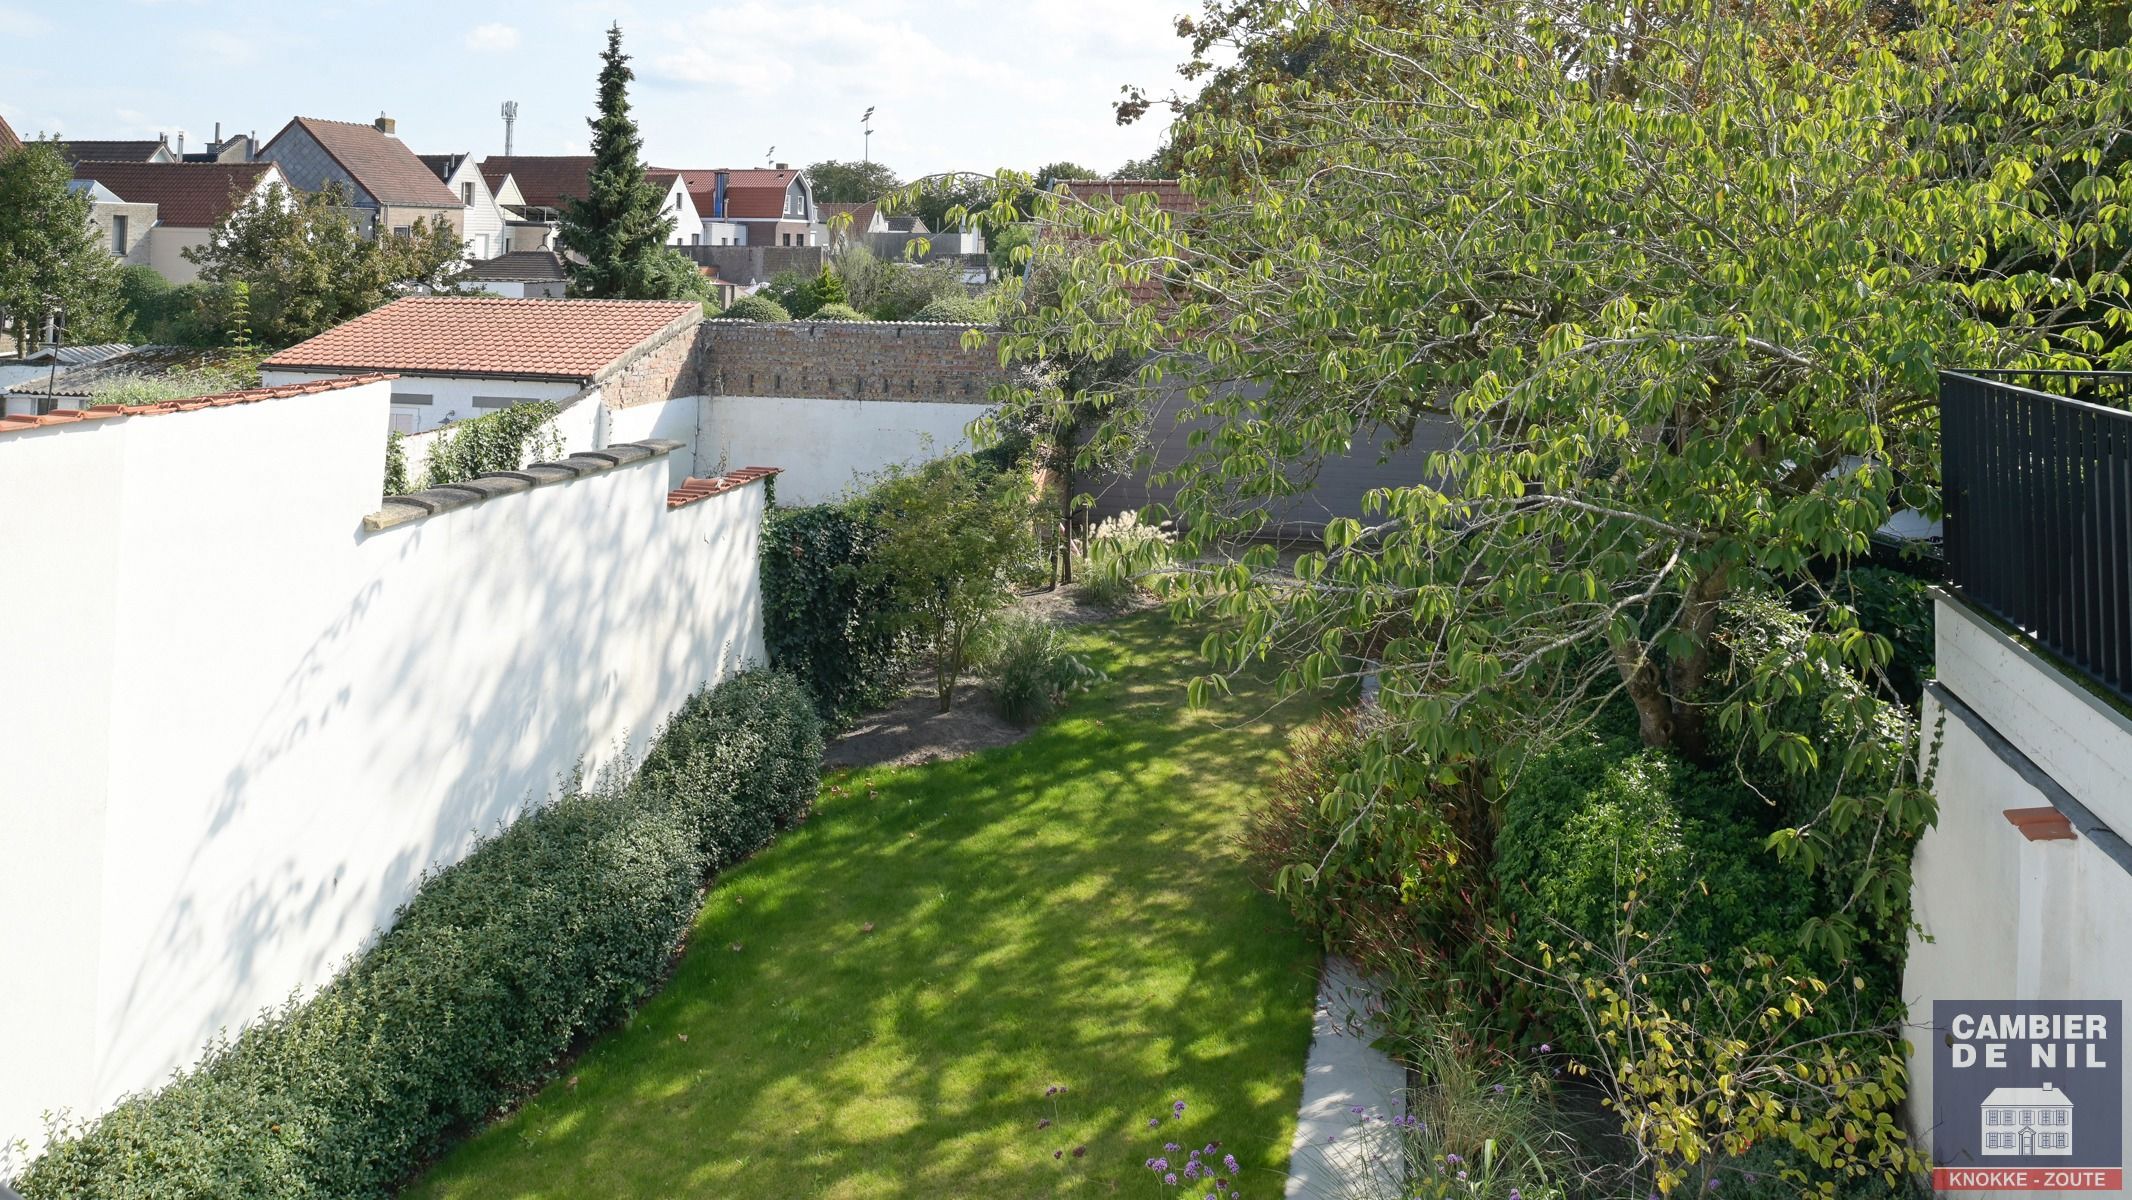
1068 911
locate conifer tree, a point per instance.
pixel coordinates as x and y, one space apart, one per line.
615 238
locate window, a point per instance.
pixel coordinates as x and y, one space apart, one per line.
403 423
495 401
413 398
47 404
695 239
1991 1116
466 192
118 236
403 231
2028 1116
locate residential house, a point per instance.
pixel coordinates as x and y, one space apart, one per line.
539 186
2027 1121
77 150
520 275
770 206
187 199
124 224
864 220
485 219
459 357
386 185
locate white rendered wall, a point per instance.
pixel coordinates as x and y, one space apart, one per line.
252 726
825 445
678 420
2001 917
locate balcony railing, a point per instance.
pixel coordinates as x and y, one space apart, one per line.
2038 493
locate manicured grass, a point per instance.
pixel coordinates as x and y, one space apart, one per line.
1069 910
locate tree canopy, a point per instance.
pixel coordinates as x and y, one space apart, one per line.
839 182
51 256
1671 282
617 234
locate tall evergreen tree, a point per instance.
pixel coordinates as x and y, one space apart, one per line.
616 236
50 254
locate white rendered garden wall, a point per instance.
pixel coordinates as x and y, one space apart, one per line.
240 727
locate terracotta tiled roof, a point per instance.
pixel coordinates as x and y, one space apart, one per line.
701 489
1169 193
8 140
545 180
757 195
77 151
490 336
380 163
101 412
187 195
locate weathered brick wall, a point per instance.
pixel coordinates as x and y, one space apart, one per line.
845 360
667 371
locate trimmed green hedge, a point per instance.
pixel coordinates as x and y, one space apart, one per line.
824 619
545 934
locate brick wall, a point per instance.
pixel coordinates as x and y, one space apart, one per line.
845 360
667 371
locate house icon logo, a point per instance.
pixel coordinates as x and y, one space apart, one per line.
2014 1082
2027 1121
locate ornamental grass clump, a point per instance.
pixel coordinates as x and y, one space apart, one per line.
1032 671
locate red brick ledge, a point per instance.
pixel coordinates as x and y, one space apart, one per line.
698 489
99 412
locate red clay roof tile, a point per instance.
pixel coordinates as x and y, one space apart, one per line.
693 490
572 340
187 195
100 412
379 162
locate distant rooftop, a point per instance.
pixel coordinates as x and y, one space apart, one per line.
571 340
519 266
187 195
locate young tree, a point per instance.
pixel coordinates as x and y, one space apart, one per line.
1676 278
838 182
51 257
308 266
1050 175
951 533
616 236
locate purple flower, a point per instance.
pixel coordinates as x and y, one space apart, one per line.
1229 1161
1191 1169
1172 1147
1154 1122
1357 1109
1057 1154
1499 1089
1545 1048
1453 1159
1178 1108
1158 1164
1461 1174
1170 1179
1710 1186
1516 1194
1080 1151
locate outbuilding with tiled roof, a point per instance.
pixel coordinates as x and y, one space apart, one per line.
463 356
378 173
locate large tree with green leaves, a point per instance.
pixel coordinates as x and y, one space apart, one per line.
51 256
616 236
839 182
1674 279
308 266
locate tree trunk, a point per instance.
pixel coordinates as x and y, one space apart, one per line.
1640 678
1685 675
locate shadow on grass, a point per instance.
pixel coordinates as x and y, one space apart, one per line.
1069 910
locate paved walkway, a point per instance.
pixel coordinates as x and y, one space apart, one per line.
1344 1072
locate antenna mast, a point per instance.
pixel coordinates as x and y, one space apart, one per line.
510 118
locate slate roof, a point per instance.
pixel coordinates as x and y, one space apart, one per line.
82 381
100 412
187 195
8 140
527 266
545 180
574 340
380 163
442 165
79 151
77 356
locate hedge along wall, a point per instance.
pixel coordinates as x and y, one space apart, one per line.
548 932
256 722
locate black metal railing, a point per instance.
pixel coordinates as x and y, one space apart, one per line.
2038 494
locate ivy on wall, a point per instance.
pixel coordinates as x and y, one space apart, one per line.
501 441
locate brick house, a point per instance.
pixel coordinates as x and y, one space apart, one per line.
769 206
387 186
152 212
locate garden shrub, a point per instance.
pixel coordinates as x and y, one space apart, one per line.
544 934
740 761
959 310
826 618
1032 671
395 463
504 440
756 308
838 312
1897 607
1121 551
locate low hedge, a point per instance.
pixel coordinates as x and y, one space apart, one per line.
545 934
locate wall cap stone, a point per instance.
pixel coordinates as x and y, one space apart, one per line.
405 510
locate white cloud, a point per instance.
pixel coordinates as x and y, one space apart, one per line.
493 37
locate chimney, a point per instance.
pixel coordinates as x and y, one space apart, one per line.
217 143
385 124
181 143
784 166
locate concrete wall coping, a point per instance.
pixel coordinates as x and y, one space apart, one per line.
405 510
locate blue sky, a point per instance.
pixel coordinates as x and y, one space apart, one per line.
959 84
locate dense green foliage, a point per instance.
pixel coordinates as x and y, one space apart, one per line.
396 483
956 310
306 265
756 307
839 182
838 311
826 616
1031 669
160 314
544 934
874 1006
1897 607
504 440
616 235
51 257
